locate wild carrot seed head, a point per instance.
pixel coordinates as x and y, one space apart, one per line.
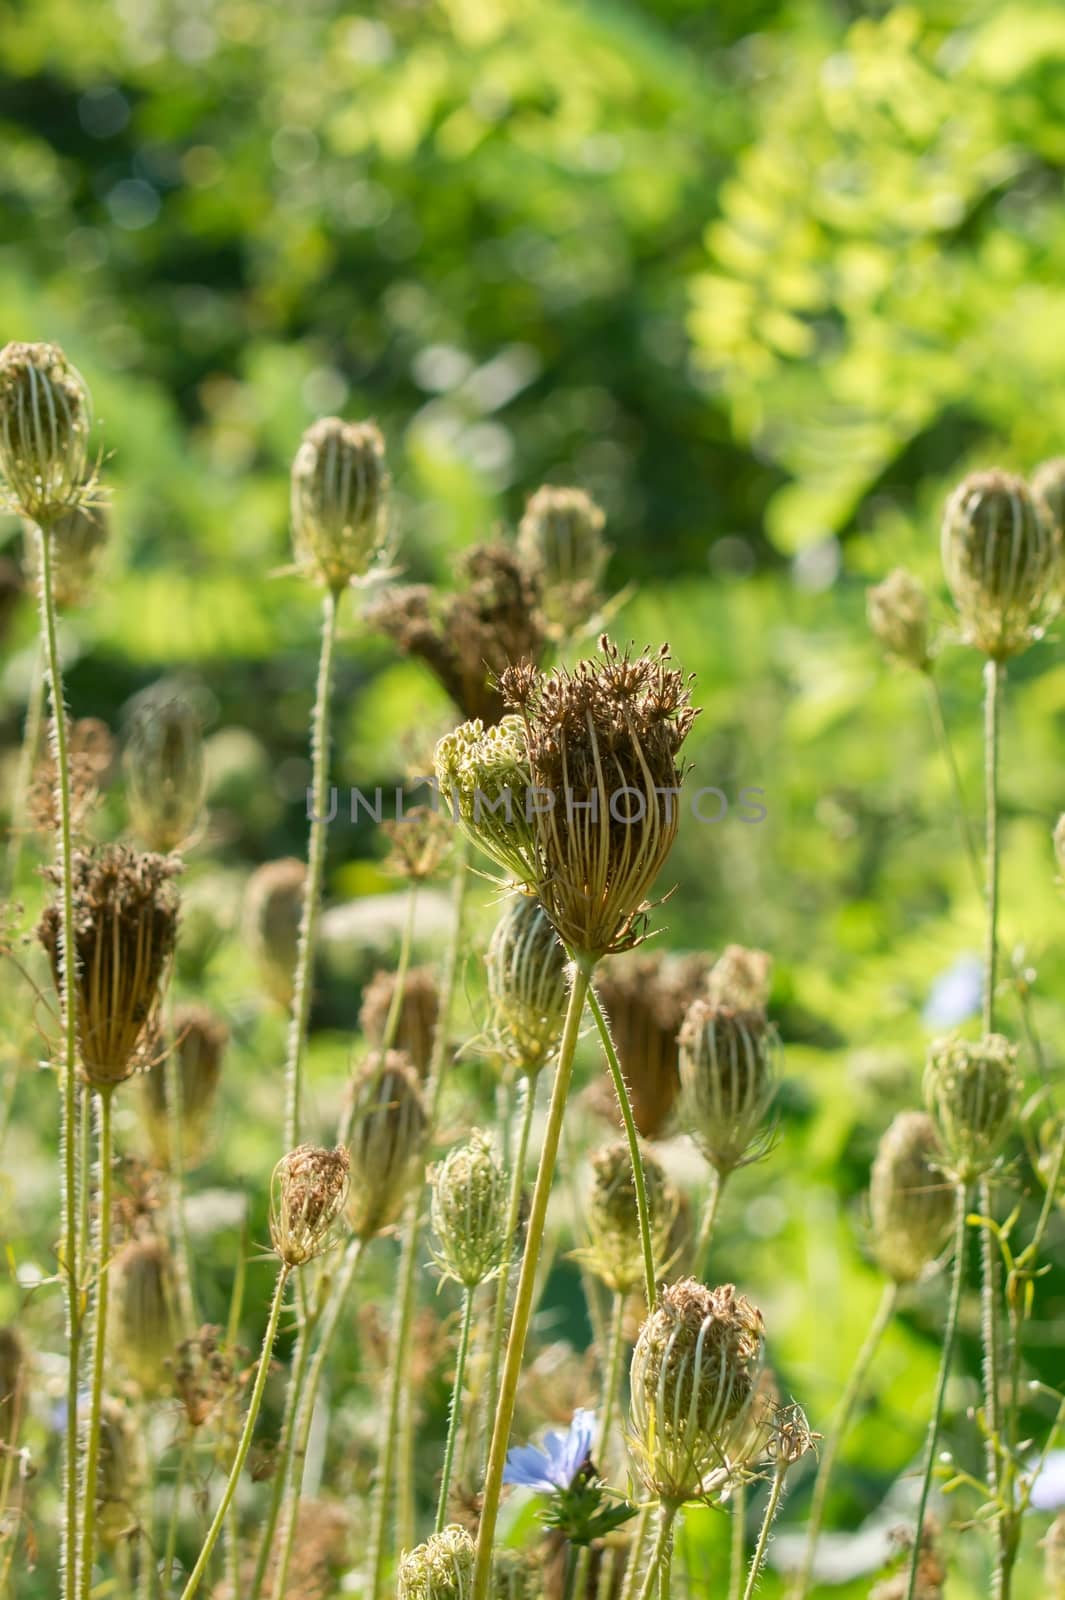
910 1200
307 1195
45 416
1002 557
339 497
727 1070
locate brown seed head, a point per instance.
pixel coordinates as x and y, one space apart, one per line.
13 1383
144 1298
418 1012
203 1375
387 1143
741 978
273 908
199 1040
307 1195
645 997
90 749
419 844
125 925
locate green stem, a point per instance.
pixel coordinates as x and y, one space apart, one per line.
456 1403
27 762
301 1357
312 891
308 1397
404 1314
708 1222
395 1006
68 1095
961 1200
170 1549
612 1383
657 1573
632 1564
961 812
992 681
523 1302
738 1542
99 1345
625 1104
840 1423
196 1576
517 1182
175 1119
771 1509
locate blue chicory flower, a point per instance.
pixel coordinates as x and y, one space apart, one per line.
558 1463
955 994
1048 1490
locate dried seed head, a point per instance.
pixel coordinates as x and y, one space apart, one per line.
320 1553
645 998
561 539
741 978
484 776
1002 558
14 1366
144 1298
910 1201
971 1090
1054 1558
694 1374
727 1071
793 1437
45 415
469 1212
418 1012
615 1252
1048 486
79 535
125 925
339 496
439 1569
527 986
467 639
387 1143
602 744
199 1041
307 1194
203 1375
898 616
165 775
273 909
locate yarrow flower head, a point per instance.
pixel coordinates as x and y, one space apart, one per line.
45 415
910 1200
971 1089
339 496
1002 556
727 1070
559 1462
439 1569
527 986
307 1195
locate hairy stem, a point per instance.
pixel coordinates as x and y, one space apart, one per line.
312 891
961 1201
27 762
771 1509
456 1404
639 1538
840 1423
198 1572
517 1181
657 1574
625 1104
612 1381
99 1345
175 1123
738 1541
961 811
523 1303
708 1221
301 1357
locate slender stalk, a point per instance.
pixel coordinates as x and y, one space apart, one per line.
523 1303
612 1382
175 1122
456 1403
840 1423
517 1182
198 1572
625 1105
961 1201
771 1509
301 1358
992 682
657 1574
170 1548
312 892
27 761
639 1539
738 1541
403 1317
68 1090
99 1345
943 739
308 1397
708 1221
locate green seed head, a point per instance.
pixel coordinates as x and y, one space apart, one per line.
527 986
898 616
439 1569
561 539
387 1143
144 1298
45 417
615 1252
694 1376
484 776
469 1212
339 496
911 1202
1002 559
728 1079
971 1090
165 775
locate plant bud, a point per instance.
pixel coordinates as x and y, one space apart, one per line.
387 1143
740 979
728 1078
1048 486
79 535
125 920
470 1204
165 776
694 1375
971 1090
1002 561
898 616
911 1203
1054 1558
339 492
615 1252
273 910
45 417
484 776
561 539
307 1194
198 1040
439 1569
144 1298
527 986
418 1012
